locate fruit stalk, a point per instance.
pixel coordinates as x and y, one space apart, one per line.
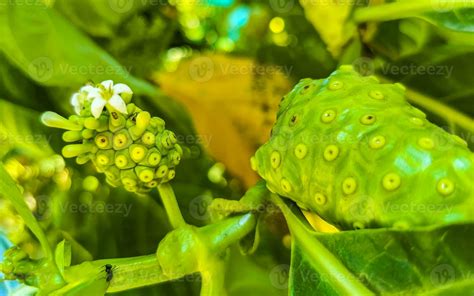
171 205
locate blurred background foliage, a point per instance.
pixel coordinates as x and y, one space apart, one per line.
215 70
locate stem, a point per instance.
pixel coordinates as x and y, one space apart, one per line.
437 108
171 205
135 272
403 9
341 279
213 281
220 235
128 273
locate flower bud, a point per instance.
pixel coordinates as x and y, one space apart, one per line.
131 148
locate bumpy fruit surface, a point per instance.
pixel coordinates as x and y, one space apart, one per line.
355 152
132 149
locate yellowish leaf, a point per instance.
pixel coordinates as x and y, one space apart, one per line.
329 18
233 102
318 223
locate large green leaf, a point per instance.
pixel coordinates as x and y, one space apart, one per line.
401 38
98 17
394 262
308 57
337 279
15 86
454 14
54 53
133 32
457 19
141 40
386 261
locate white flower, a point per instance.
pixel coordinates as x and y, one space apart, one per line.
110 96
79 99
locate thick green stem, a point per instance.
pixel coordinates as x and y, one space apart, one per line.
222 234
341 279
218 237
213 281
403 9
128 273
171 205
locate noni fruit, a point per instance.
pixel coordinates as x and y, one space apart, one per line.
355 152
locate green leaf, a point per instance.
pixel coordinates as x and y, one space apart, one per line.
403 9
62 255
310 60
10 191
458 20
54 53
98 18
142 39
407 262
16 87
400 38
314 254
20 128
435 261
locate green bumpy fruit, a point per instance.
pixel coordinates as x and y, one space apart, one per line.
133 150
355 152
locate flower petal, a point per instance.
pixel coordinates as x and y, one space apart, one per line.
97 106
75 99
87 88
94 94
117 103
108 84
122 88
76 103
